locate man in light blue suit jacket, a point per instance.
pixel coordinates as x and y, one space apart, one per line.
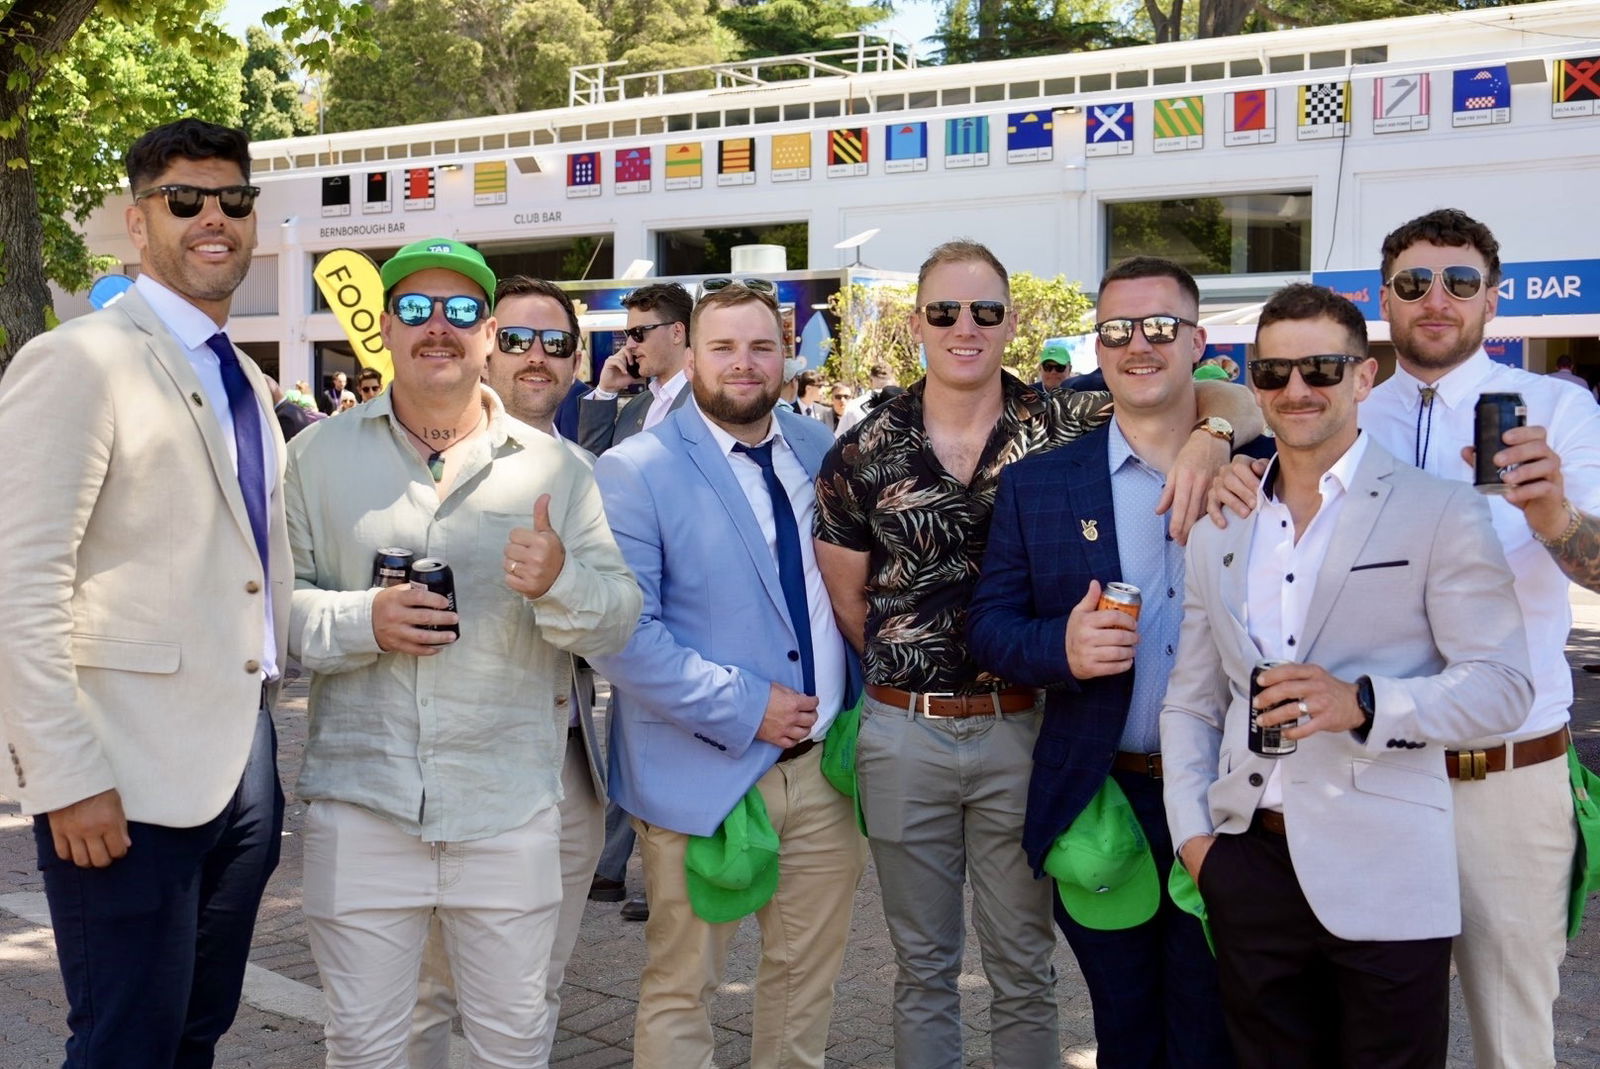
712 695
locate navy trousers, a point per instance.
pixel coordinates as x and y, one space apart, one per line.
153 947
1154 988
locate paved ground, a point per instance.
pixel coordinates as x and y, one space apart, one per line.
279 1025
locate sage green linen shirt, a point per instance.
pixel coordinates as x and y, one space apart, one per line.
467 743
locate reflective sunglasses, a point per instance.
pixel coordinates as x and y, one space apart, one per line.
558 343
1326 369
637 333
1158 330
1461 281
415 309
945 313
185 202
757 285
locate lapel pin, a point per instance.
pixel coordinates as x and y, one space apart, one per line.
1227 560
1091 530
195 397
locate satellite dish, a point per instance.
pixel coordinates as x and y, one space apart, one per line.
855 242
107 289
638 269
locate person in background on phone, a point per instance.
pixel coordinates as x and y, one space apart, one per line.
434 760
655 345
1329 873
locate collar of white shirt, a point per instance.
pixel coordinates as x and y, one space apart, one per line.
1456 387
726 441
1342 472
192 327
670 388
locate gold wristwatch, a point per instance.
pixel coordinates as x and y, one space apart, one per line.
1217 427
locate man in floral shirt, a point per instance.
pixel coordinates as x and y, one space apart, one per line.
903 507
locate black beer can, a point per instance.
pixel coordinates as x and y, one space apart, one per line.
435 575
1496 413
391 567
1268 742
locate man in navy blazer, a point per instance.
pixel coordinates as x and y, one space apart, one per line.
1065 524
731 682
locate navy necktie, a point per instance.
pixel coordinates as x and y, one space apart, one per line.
247 438
791 564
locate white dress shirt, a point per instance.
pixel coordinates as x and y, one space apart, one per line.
192 329
1283 573
665 394
1393 415
827 644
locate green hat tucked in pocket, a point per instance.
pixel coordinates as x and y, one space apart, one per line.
1586 862
1102 865
1185 894
733 872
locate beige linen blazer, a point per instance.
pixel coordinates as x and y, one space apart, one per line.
1415 593
129 578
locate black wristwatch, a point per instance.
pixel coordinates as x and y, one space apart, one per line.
1367 704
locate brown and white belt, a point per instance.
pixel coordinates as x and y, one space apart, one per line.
1477 764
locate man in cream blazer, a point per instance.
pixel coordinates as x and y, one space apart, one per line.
146 585
1329 874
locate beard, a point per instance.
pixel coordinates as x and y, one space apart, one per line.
1438 356
201 283
725 408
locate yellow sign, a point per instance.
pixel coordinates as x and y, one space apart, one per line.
349 281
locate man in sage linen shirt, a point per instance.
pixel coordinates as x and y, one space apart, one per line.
434 761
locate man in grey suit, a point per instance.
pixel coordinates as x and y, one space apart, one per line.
1329 873
655 347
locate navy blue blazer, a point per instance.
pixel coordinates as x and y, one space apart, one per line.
1054 529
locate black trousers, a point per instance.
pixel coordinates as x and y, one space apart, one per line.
1296 995
153 947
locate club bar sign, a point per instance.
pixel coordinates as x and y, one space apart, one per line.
1531 288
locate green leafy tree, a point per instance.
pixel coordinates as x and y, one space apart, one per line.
273 107
656 35
81 81
789 27
974 30
453 59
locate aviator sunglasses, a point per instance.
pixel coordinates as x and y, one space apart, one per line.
1461 281
1158 330
415 309
945 313
1326 369
185 202
558 343
722 282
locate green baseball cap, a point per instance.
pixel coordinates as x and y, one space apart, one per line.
1104 873
1185 894
733 872
1586 862
1056 350
1210 372
447 253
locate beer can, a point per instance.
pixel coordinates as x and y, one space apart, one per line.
435 575
391 567
1496 413
1123 597
1268 742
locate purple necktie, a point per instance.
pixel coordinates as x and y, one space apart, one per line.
247 437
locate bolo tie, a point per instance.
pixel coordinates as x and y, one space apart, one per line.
1427 394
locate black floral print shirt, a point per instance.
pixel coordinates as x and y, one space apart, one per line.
883 492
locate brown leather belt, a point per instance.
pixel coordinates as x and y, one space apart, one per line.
1271 820
1142 764
799 749
1477 764
956 706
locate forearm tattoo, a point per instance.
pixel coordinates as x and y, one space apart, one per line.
1579 555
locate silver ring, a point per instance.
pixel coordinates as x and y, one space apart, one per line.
514 572
1303 710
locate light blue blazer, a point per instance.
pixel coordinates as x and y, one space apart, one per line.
690 689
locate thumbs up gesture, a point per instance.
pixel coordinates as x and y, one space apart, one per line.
535 556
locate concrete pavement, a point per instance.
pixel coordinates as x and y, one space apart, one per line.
279 1026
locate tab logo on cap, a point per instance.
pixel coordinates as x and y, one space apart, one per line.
440 248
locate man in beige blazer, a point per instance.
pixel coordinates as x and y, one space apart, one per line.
147 591
1329 873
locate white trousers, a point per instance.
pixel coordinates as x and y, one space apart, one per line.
370 892
1515 837
583 833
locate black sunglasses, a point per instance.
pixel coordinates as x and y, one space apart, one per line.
373 390
1052 366
1158 330
722 282
185 202
638 333
558 343
1326 369
945 313
415 309
1461 281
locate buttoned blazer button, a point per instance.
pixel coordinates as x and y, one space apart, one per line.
252 667
1255 779
252 587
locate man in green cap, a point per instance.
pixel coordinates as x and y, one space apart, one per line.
1055 364
434 758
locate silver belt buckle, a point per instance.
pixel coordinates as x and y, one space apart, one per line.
922 700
